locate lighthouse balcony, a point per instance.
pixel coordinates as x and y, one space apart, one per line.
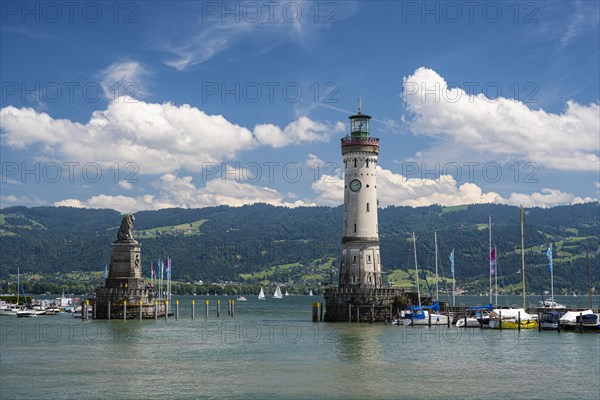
358 141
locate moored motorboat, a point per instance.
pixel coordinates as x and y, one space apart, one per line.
424 315
550 320
569 320
27 313
512 318
479 316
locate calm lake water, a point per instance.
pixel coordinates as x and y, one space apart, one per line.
271 350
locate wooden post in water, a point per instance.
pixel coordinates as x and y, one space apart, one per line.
519 321
166 310
232 308
82 309
429 319
448 312
94 310
315 312
141 310
193 308
500 324
155 310
176 309
540 322
218 308
349 312
108 311
124 309
580 322
465 319
206 308
358 314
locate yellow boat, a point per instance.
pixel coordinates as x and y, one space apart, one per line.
513 324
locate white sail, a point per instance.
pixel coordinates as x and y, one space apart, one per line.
310 293
278 294
286 293
261 295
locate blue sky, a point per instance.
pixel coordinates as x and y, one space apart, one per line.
146 105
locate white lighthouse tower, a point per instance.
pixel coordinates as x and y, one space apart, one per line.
360 260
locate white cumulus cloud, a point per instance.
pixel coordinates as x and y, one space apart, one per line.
501 127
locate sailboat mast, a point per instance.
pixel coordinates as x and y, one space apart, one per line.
551 278
496 277
416 268
523 259
18 283
587 257
437 294
490 252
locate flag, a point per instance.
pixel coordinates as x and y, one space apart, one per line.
105 271
549 255
151 270
168 268
452 263
493 262
162 268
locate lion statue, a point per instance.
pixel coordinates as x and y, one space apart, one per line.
125 234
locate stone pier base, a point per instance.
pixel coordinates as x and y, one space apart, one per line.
364 305
116 297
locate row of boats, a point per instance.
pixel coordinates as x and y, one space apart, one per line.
503 318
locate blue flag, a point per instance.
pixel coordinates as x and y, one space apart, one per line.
105 271
452 263
549 255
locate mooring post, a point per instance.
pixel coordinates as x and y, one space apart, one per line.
558 323
519 321
141 310
320 312
193 308
448 312
108 312
124 309
94 310
539 322
232 308
580 322
176 309
429 319
166 310
358 314
218 308
83 309
349 312
315 312
465 318
206 308
500 324
155 310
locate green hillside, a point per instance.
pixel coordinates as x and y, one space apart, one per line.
266 244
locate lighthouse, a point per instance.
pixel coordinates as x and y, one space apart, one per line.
360 260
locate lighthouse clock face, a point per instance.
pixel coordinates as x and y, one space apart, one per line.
355 185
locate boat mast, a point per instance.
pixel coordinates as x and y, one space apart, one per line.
490 253
416 268
437 294
587 257
551 278
523 259
18 284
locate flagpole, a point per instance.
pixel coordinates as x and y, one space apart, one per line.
490 252
437 294
453 281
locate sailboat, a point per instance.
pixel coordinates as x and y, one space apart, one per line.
516 318
310 293
423 315
278 294
286 293
261 295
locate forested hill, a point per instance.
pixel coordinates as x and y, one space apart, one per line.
261 242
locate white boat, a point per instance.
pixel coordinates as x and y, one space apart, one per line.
9 310
27 313
242 298
550 303
261 295
278 294
286 293
52 311
569 320
310 293
479 315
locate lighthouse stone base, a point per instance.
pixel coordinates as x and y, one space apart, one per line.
361 304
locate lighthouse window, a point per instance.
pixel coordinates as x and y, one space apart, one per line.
354 259
354 228
355 163
353 278
368 207
367 163
369 258
369 278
